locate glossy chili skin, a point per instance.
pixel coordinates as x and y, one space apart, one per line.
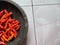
1 13
8 27
2 43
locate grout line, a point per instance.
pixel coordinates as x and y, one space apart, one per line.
40 5
47 4
26 6
34 23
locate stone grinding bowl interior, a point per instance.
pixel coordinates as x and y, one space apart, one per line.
18 14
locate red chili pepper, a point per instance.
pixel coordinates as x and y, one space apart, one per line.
14 22
12 26
3 20
10 37
1 26
18 26
14 32
2 43
8 34
17 21
1 13
0 34
5 38
3 16
5 11
10 20
2 39
5 25
8 27
6 15
5 34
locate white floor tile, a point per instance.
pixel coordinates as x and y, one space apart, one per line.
23 2
46 18
39 35
58 16
57 42
31 35
38 2
46 14
50 33
46 34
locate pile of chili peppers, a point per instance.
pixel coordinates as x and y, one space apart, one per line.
8 27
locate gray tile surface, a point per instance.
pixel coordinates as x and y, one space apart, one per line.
50 33
58 16
46 14
46 18
31 35
38 2
58 42
23 2
39 35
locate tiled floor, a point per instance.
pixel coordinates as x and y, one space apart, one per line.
44 21
23 2
38 2
31 35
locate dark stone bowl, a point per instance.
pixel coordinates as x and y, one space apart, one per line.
18 14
